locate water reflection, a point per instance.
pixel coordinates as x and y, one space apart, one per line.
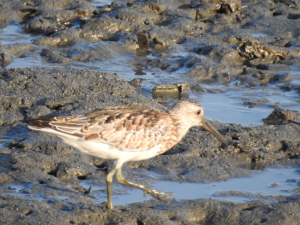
266 184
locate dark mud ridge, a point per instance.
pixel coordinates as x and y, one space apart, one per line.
47 169
41 177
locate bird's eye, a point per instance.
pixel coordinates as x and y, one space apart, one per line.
198 112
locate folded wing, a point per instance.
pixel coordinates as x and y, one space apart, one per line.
125 128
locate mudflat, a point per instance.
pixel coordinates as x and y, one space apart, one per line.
253 43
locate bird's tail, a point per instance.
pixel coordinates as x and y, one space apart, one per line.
39 123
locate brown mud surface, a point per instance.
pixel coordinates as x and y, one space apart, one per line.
40 176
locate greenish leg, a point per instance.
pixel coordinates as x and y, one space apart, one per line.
109 179
155 193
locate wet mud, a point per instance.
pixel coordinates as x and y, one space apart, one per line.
48 172
248 42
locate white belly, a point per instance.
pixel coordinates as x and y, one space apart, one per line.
102 150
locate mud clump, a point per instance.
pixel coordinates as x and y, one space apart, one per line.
281 116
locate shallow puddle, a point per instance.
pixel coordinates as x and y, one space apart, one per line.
232 104
100 3
3 141
258 35
262 185
14 33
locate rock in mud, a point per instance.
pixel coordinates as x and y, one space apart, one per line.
175 91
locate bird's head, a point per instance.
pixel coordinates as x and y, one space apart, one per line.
192 114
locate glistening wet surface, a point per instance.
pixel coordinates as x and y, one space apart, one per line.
4 140
262 185
13 34
265 185
245 103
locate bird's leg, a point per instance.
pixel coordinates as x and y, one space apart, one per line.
155 193
109 179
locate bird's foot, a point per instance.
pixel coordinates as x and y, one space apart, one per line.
151 191
156 193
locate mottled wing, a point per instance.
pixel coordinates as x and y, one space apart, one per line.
129 130
125 128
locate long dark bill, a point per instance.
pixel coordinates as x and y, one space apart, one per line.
207 126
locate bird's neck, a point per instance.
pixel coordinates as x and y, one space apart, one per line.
177 130
182 123
182 127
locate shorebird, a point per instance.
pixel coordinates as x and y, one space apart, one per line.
127 134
